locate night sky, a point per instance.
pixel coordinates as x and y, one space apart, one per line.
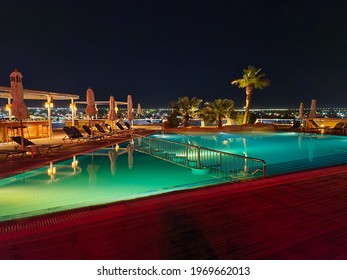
160 50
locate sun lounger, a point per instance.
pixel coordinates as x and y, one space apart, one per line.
123 130
113 133
71 135
102 131
312 126
12 153
36 148
90 135
131 128
339 128
109 128
120 126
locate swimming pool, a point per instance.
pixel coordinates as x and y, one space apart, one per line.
100 177
108 175
283 152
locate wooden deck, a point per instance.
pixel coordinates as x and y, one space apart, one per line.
296 216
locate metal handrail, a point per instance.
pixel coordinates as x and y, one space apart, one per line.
216 163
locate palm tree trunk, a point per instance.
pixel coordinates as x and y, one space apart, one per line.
220 124
186 123
248 103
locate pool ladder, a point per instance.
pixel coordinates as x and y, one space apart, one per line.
203 160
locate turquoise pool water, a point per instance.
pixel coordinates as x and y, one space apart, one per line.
106 176
97 178
282 152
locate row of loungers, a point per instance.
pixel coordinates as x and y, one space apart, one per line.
339 129
73 133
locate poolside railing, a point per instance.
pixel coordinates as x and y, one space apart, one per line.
203 160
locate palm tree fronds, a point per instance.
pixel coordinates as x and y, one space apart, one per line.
251 79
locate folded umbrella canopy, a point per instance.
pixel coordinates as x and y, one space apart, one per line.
18 107
90 109
139 110
130 114
313 113
112 115
301 111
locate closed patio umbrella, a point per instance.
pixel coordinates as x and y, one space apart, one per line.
130 114
19 109
90 109
301 111
112 115
313 113
139 110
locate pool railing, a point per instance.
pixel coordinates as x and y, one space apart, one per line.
201 160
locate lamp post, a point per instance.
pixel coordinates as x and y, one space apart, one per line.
73 111
49 105
8 108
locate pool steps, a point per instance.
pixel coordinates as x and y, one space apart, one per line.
219 164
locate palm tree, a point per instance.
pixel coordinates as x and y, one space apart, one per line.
252 79
217 110
188 108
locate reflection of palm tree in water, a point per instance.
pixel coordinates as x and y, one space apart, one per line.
113 155
245 168
299 141
130 149
311 145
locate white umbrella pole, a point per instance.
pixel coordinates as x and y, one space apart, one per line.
72 112
49 115
22 133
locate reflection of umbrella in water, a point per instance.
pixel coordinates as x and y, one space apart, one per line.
311 145
299 141
92 170
19 110
139 141
113 155
130 149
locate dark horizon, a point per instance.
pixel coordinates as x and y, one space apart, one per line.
158 51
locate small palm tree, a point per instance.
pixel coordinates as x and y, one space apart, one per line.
252 79
188 108
217 110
